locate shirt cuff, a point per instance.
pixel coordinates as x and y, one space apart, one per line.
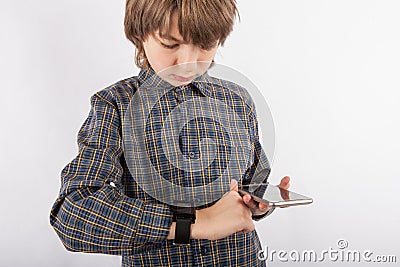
154 224
259 217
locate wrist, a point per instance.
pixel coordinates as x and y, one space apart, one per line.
193 231
171 234
197 228
184 216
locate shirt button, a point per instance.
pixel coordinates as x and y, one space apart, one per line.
192 155
204 250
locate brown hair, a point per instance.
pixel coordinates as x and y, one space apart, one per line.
201 22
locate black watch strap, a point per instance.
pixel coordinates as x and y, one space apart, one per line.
182 230
184 216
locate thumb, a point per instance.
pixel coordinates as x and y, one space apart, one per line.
234 185
285 183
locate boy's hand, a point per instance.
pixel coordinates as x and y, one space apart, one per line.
261 208
227 216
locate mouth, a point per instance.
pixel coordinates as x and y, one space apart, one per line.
182 79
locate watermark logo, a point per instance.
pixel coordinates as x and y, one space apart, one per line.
339 254
342 244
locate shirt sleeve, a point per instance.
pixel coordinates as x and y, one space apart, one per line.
260 168
91 214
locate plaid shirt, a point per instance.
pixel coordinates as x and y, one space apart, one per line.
102 209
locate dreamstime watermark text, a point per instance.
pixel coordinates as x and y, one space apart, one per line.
339 254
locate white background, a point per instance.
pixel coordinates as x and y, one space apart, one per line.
328 69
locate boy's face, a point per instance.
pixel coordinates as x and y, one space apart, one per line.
168 49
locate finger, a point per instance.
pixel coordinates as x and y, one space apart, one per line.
285 182
263 206
234 185
250 202
257 208
284 194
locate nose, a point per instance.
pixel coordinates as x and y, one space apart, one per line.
187 57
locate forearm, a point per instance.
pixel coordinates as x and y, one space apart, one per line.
108 222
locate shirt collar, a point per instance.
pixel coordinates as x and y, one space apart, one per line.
150 77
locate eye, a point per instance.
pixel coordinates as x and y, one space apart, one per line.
169 46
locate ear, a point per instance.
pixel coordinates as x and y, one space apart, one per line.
212 64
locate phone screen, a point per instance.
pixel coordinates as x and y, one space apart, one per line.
275 196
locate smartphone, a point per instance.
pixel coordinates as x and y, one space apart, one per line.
274 196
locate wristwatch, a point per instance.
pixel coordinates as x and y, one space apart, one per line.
184 214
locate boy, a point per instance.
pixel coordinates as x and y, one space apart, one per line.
102 208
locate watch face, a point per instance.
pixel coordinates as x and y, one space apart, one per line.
182 209
183 203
